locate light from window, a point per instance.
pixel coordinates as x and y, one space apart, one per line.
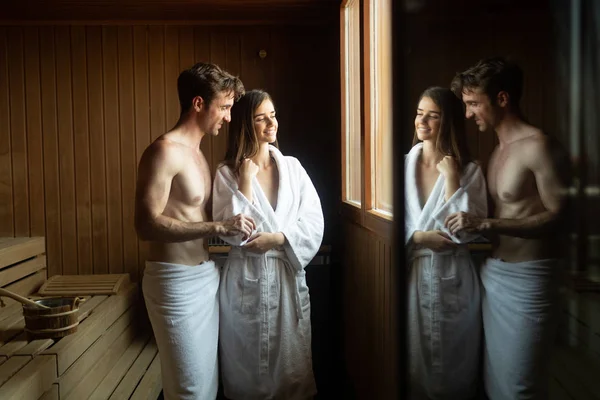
381 106
351 168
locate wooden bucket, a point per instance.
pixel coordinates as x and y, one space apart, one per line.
60 320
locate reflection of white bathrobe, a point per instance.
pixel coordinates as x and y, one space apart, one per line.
444 293
265 331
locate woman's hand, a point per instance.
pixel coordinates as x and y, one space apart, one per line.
262 242
248 170
448 167
433 240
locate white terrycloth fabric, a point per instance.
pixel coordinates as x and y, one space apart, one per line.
444 292
444 325
519 322
184 312
265 331
471 197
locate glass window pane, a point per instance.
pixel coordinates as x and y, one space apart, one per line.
381 90
351 103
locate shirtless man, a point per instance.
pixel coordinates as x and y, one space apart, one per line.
180 283
525 185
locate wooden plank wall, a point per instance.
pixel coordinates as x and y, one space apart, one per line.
370 333
78 105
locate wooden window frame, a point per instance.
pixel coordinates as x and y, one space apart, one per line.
366 215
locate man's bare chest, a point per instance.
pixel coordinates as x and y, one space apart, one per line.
192 185
509 178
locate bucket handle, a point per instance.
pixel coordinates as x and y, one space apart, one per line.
24 300
76 301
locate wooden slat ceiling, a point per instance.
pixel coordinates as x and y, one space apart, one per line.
170 10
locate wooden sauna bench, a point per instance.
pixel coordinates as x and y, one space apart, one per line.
111 356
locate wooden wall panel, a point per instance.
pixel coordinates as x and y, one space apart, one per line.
95 82
156 43
172 108
79 104
142 107
18 128
66 149
128 158
186 47
202 51
34 131
218 55
52 193
6 193
113 145
81 143
370 341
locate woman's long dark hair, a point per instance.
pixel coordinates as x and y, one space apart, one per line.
452 138
242 141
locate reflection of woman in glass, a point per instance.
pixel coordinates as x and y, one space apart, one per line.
265 331
444 295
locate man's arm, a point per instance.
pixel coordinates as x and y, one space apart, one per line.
158 166
544 163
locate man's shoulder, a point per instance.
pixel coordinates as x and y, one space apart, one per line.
163 153
535 141
543 150
162 147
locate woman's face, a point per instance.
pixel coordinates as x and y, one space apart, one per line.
428 120
265 122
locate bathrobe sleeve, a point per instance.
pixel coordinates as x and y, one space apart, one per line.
228 201
409 231
471 198
409 226
304 235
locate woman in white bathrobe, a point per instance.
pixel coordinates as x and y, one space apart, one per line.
444 295
265 330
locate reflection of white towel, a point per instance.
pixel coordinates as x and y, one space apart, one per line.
183 308
519 321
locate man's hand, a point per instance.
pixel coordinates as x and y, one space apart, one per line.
433 240
264 241
236 225
461 221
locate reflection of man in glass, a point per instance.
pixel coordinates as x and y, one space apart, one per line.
520 279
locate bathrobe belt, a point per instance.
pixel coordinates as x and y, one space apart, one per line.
294 276
459 251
